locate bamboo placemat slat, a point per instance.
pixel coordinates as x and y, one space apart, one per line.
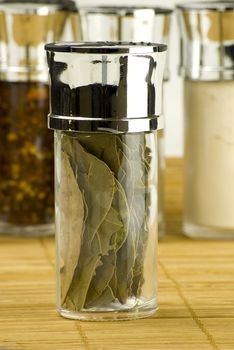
196 295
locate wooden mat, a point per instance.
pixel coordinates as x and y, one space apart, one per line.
196 295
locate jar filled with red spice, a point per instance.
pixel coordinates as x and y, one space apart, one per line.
26 146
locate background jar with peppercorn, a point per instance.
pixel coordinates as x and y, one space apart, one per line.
26 146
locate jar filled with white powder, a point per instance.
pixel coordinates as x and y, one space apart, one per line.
207 65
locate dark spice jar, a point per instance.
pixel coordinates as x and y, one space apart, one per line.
26 146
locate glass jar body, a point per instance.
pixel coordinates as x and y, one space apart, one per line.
106 225
209 159
26 160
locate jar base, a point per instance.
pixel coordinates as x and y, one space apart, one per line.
113 313
203 232
27 230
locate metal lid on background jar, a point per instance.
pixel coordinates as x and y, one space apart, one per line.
207 40
125 23
30 6
25 27
106 86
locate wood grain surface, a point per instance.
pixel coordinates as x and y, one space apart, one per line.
196 295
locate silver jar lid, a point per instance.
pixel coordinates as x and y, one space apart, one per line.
36 7
124 23
25 27
207 40
106 86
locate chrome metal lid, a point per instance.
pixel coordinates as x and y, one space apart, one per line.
106 86
25 27
32 6
208 5
125 23
207 40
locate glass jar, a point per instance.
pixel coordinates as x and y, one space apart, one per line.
105 119
26 146
120 23
207 36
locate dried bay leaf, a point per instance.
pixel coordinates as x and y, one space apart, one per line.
139 158
100 281
71 231
142 201
112 173
110 226
105 298
112 234
98 185
76 295
89 260
95 180
104 147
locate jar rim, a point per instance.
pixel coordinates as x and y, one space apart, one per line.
126 10
40 7
107 47
207 5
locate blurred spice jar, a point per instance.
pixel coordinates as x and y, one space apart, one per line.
135 23
207 66
26 147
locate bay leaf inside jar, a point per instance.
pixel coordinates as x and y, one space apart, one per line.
111 172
